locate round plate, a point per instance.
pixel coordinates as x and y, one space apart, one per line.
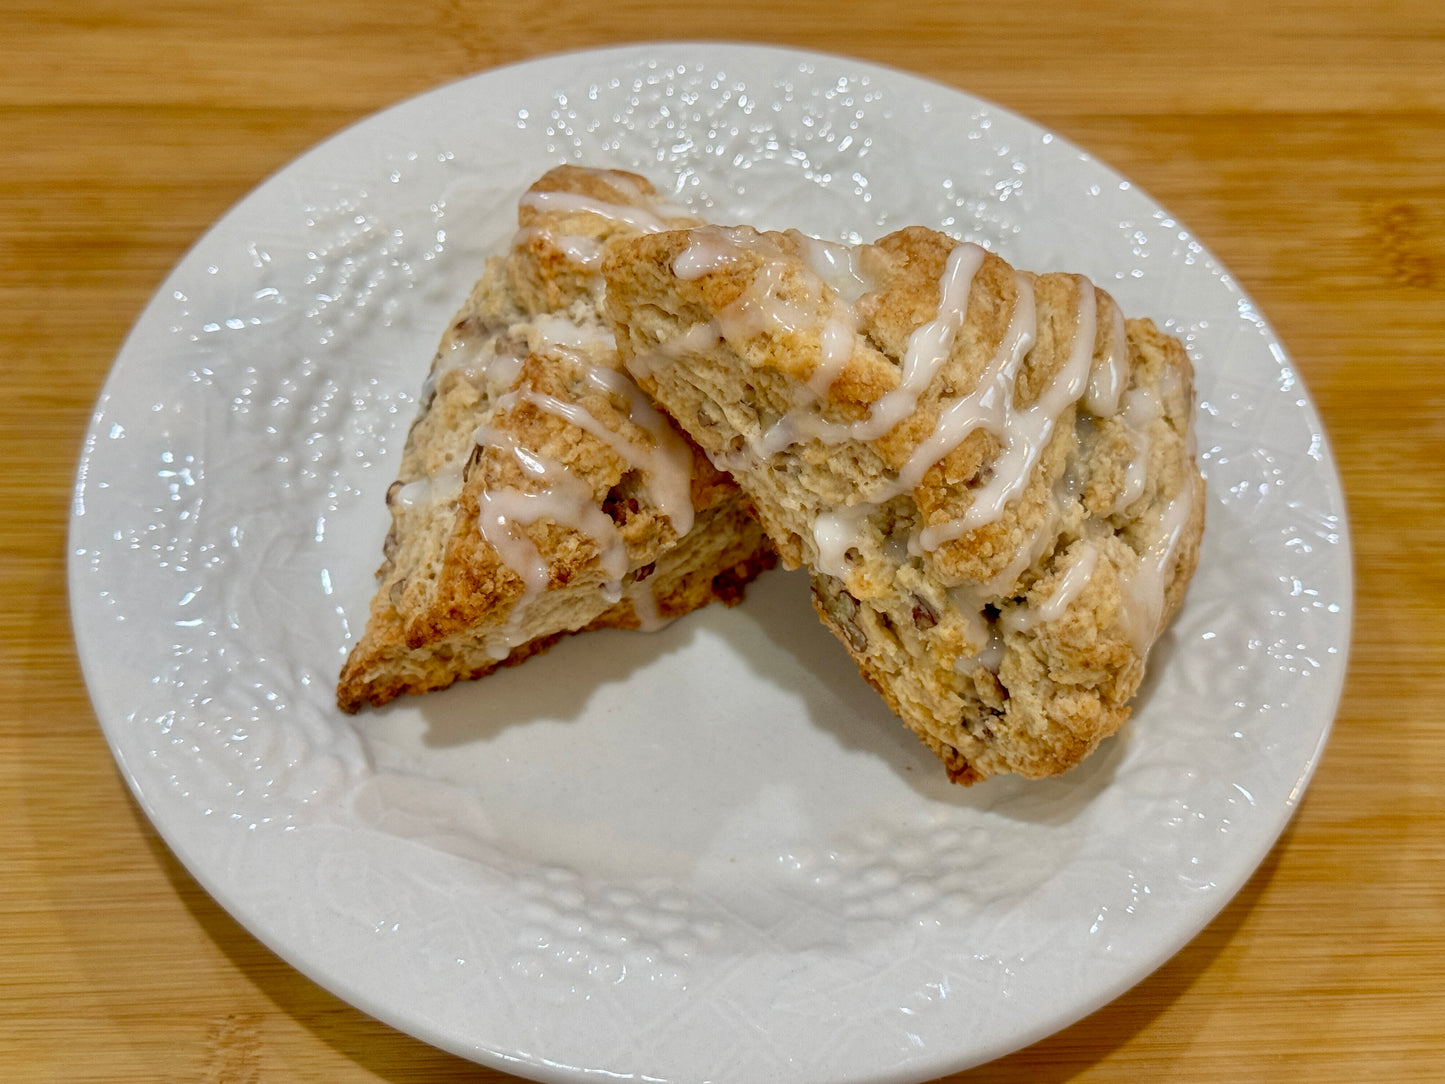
708 853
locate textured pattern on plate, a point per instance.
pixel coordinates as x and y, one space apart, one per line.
708 853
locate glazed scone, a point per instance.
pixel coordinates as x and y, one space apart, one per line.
988 473
540 492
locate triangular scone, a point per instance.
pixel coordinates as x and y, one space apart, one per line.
989 473
540 492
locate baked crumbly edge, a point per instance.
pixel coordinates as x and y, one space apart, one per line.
988 473
540 493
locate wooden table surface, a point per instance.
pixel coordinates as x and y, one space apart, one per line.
1303 142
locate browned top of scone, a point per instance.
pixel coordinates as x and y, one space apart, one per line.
988 471
551 272
527 418
903 272
566 218
481 585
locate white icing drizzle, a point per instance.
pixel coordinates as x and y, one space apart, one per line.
699 337
986 634
668 463
761 308
638 218
1135 473
566 500
581 250
837 265
970 603
504 512
630 188
1141 409
662 457
986 407
503 369
1075 479
713 248
499 366
1099 385
991 657
460 351
835 347
1074 580
665 462
840 268
414 494
552 329
1144 591
441 486
835 533
587 251
1108 380
989 406
928 348
644 606
1025 557
1026 432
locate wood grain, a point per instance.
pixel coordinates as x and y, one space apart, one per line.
1303 142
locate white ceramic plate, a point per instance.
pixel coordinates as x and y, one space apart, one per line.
707 853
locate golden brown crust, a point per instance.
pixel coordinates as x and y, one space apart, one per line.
996 538
602 514
714 562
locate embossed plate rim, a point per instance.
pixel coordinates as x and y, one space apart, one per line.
315 935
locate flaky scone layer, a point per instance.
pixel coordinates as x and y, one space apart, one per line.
540 492
988 473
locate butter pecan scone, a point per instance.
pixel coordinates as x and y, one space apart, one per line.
540 492
988 473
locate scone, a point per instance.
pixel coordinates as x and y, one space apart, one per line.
540 492
989 473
